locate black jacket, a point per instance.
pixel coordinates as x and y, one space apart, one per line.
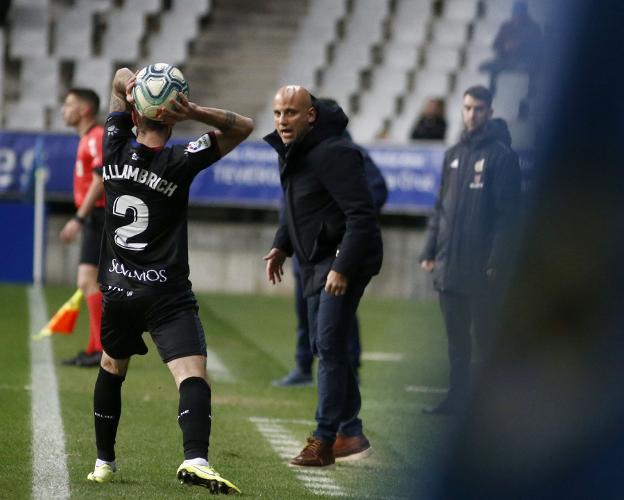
476 212
429 128
329 218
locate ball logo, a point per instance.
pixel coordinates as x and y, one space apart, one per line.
156 86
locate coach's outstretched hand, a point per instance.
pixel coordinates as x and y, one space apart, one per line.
274 265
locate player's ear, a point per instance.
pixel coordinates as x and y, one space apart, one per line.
311 115
135 118
85 109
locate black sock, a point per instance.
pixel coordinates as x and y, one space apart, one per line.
194 417
107 410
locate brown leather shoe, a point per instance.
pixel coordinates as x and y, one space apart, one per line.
351 447
315 454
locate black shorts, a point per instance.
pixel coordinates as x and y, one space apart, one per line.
92 237
170 317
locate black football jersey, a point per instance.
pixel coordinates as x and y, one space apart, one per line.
145 245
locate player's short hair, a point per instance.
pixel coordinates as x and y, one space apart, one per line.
88 96
480 93
153 125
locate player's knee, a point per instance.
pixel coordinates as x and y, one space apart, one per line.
187 367
115 366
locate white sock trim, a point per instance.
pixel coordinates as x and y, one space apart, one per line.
99 463
197 461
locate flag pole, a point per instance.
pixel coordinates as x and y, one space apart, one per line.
41 177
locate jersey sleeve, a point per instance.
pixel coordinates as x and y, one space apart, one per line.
202 152
117 132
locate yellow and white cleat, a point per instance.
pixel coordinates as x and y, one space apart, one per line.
102 474
206 476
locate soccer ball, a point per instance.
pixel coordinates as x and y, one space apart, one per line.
155 86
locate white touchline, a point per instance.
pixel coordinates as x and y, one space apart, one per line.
287 446
425 389
50 476
382 356
216 369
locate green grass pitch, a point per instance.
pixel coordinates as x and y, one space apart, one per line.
254 338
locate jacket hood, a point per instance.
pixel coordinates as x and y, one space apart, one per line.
494 130
331 121
498 127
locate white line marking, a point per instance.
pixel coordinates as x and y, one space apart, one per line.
50 476
382 356
264 420
309 479
216 369
425 389
317 481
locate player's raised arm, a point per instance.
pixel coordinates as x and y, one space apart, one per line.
122 80
232 128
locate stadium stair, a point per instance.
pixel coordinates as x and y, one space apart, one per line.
236 59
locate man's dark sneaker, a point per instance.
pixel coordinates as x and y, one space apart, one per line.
351 447
84 359
296 378
316 453
449 406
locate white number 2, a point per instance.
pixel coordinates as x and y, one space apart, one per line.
140 216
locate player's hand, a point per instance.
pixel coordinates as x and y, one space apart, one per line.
129 87
336 283
180 109
427 265
70 231
274 265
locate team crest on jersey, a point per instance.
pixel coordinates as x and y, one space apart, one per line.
478 166
455 163
112 130
202 143
477 182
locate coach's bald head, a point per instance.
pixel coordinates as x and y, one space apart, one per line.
293 112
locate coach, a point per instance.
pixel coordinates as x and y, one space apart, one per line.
331 226
469 235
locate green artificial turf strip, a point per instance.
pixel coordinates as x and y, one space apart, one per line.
254 337
15 446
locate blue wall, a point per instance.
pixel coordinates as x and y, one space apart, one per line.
248 176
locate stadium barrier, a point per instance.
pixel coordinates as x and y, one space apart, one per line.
23 218
246 177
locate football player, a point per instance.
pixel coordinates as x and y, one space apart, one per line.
144 268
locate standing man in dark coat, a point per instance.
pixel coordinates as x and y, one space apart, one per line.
468 234
331 226
301 374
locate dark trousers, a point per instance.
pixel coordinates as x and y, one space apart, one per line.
331 318
466 316
303 350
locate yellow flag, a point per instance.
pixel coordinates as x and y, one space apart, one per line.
65 318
